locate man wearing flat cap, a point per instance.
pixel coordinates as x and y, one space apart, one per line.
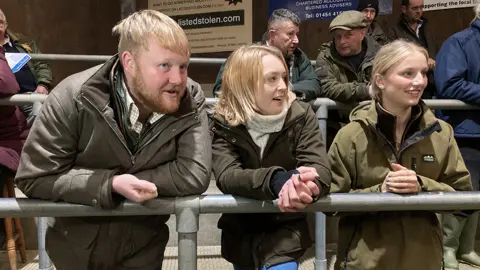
370 10
344 65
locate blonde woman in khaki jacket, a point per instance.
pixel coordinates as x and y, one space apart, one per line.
395 144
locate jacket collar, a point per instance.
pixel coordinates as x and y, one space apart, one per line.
373 115
403 22
100 86
476 25
476 29
295 112
14 37
386 122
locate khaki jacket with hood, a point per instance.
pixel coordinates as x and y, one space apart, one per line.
252 240
361 157
76 147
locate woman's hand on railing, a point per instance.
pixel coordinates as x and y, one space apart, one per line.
298 191
401 181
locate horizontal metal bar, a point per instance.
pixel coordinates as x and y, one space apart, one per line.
22 99
11 207
451 104
338 202
103 58
70 57
348 202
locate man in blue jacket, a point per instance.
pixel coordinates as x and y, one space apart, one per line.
457 76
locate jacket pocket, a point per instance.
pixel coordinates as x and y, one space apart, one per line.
140 236
237 248
288 242
75 230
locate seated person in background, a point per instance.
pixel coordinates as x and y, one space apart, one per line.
344 65
369 8
413 26
283 28
395 144
13 130
266 145
35 76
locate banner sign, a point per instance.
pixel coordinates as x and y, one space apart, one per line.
210 25
447 4
323 9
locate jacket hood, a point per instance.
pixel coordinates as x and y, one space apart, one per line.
367 113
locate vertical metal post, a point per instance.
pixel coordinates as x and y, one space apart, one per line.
320 219
127 7
43 259
187 213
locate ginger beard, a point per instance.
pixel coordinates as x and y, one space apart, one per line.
164 99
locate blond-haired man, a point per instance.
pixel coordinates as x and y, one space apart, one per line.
134 128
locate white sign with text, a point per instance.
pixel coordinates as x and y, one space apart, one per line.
447 4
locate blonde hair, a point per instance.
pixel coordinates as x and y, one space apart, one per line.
135 30
388 57
243 76
3 15
477 10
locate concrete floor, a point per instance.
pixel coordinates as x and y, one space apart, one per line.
208 259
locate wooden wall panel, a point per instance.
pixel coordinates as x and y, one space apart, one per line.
84 27
65 27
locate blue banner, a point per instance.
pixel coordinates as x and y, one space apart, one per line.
323 9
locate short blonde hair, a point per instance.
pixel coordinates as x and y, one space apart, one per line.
135 30
388 57
243 76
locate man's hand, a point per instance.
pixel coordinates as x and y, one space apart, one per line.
431 63
41 90
402 180
133 188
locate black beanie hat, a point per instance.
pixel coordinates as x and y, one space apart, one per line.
363 4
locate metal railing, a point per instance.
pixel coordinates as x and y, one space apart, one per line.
450 104
187 209
103 58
